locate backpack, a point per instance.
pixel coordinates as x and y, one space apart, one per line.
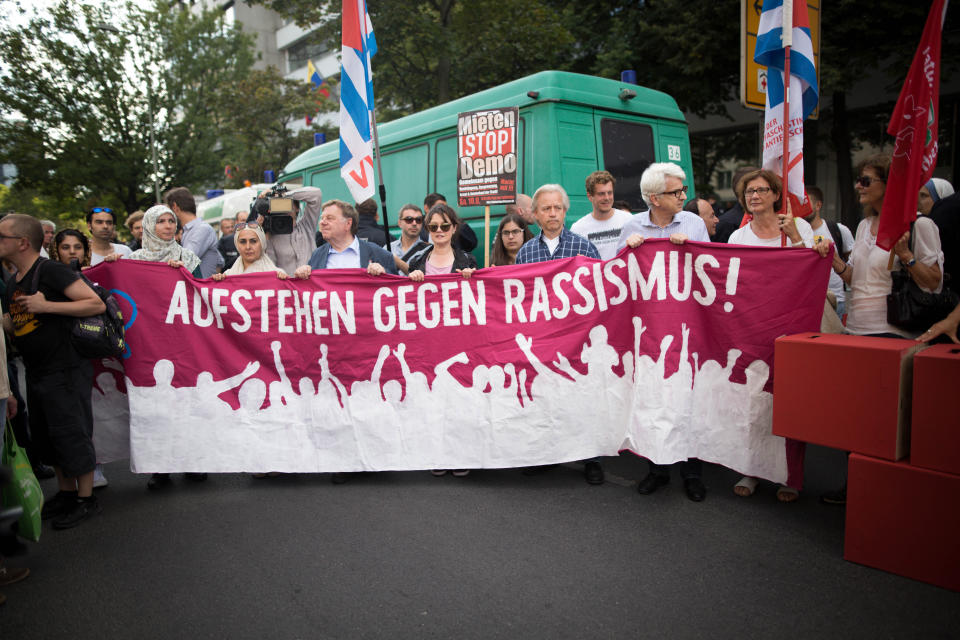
99 336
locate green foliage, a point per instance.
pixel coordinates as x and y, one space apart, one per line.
258 112
75 110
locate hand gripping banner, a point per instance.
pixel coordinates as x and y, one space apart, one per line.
664 350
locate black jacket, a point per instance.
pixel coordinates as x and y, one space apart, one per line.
461 260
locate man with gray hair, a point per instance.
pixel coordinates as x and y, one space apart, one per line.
343 249
49 230
550 206
662 188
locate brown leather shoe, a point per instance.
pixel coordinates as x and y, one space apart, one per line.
9 575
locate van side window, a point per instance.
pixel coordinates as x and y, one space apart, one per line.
627 151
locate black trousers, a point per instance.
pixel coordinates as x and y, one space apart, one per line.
61 418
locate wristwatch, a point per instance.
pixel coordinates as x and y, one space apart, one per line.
912 261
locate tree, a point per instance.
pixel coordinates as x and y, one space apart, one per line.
259 111
432 51
75 110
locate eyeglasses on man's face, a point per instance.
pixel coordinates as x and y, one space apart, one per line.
676 193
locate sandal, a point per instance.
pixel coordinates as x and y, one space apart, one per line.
746 486
787 494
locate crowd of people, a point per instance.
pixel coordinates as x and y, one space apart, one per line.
43 295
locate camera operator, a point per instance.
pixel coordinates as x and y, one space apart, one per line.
290 250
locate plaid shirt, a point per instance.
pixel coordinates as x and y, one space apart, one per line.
535 249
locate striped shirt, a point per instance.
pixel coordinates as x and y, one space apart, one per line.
535 249
683 222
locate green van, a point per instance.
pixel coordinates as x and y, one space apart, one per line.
570 125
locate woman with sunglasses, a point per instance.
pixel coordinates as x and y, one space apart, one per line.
442 257
866 270
71 245
250 241
511 235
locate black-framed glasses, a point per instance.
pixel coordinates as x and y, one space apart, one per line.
101 210
676 193
413 220
757 191
866 181
442 226
246 225
6 237
511 232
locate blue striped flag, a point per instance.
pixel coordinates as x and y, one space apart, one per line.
356 100
804 93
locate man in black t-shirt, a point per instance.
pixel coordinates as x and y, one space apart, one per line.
43 298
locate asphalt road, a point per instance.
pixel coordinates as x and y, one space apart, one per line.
494 555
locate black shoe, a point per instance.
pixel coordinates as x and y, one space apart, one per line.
196 477
84 508
835 497
695 489
338 478
159 481
651 483
58 505
593 472
44 472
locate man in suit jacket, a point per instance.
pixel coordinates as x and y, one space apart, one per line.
343 249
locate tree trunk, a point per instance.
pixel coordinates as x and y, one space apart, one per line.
840 135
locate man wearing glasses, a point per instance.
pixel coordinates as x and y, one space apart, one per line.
410 222
663 191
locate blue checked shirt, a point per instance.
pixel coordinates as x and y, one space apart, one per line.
535 249
683 222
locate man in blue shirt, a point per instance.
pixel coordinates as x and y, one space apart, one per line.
198 236
550 206
343 249
662 188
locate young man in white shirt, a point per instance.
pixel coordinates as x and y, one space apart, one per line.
103 223
844 243
603 225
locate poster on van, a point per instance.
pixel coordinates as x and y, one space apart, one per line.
487 157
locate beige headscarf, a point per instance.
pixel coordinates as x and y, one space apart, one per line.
156 250
263 263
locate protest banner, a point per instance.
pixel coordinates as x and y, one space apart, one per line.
664 350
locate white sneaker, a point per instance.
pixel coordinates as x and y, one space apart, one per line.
99 480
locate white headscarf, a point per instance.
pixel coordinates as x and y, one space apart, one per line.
263 263
156 250
938 189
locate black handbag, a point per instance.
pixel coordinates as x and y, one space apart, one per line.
911 308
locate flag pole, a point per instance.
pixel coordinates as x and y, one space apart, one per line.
786 38
383 188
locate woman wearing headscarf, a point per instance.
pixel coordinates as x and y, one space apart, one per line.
935 190
158 244
250 241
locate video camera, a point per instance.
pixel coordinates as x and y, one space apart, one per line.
273 210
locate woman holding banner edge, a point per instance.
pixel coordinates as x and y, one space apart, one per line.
759 193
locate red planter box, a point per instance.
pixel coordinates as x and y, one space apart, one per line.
935 426
845 392
903 519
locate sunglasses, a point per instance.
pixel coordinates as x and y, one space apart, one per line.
443 226
102 210
866 181
412 220
246 225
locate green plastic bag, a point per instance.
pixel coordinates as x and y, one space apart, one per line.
23 490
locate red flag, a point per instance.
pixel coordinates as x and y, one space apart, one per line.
914 124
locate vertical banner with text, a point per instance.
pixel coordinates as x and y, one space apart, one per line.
487 157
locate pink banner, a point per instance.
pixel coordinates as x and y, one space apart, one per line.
664 350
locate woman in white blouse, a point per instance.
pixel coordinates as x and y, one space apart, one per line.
866 271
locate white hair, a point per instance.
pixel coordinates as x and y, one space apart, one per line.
654 179
49 223
551 188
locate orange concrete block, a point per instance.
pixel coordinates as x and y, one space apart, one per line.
935 425
845 392
903 519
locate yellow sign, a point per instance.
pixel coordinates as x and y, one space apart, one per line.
753 77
